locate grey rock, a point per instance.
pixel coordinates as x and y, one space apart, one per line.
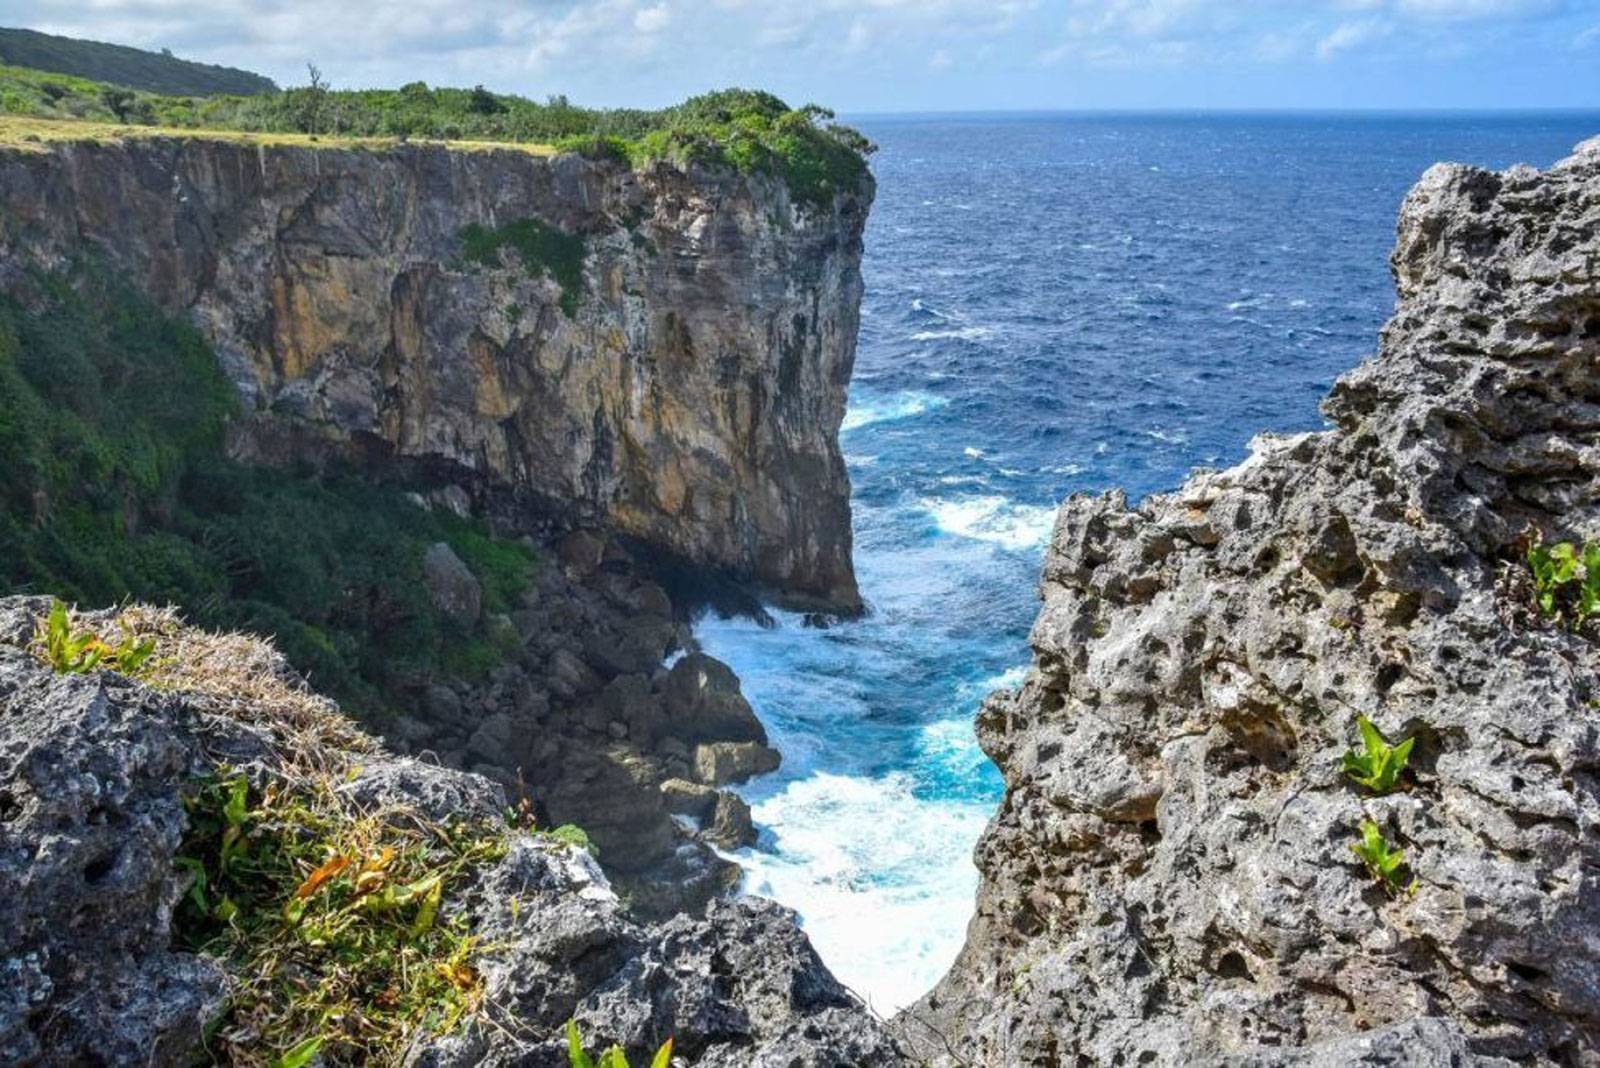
703 703
1169 878
569 677
91 819
492 740
724 763
452 587
731 825
685 798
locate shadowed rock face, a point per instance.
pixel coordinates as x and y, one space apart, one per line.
1169 878
688 395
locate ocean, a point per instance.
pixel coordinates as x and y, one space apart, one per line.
1055 304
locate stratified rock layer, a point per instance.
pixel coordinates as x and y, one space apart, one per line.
1169 878
687 392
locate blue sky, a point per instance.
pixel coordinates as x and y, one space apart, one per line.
898 55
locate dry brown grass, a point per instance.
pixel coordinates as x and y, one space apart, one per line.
35 134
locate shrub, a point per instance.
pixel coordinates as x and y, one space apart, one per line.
113 485
543 249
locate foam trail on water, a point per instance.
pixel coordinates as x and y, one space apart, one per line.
993 519
869 410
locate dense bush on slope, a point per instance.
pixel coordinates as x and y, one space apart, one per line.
156 72
113 484
745 129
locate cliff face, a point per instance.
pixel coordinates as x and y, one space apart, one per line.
1170 878
663 352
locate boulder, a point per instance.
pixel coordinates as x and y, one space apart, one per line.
452 587
703 703
731 824
723 763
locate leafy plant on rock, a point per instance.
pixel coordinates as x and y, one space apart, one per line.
70 651
1383 861
615 1057
1566 580
340 926
1379 765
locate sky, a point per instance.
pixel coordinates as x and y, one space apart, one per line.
862 56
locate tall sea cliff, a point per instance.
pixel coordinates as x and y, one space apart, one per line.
662 352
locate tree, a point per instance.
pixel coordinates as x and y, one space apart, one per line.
313 99
483 102
117 100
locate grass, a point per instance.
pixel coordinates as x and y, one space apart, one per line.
113 485
335 925
31 133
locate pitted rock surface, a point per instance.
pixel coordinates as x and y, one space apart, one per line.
91 820
1169 879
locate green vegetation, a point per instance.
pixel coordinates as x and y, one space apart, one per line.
113 485
1566 580
70 651
336 924
1383 861
1379 766
615 1057
155 72
543 250
750 131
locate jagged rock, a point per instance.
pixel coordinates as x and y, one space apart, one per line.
685 798
91 769
687 392
731 826
724 763
452 587
580 552
569 677
1169 878
703 703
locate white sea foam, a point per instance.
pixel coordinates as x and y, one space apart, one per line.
868 410
856 851
993 519
965 333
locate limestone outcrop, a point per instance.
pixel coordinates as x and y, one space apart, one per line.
663 352
1169 879
94 770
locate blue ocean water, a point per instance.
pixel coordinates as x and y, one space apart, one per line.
1054 304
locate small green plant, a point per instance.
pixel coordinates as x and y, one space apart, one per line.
336 922
1566 580
1382 860
615 1057
74 652
570 834
1379 767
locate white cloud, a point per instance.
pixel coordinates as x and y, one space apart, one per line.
1348 36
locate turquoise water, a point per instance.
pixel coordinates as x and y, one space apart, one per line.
1054 305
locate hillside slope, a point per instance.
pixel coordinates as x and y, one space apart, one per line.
1171 876
135 68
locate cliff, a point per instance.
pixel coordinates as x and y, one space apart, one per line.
200 858
1170 877
663 352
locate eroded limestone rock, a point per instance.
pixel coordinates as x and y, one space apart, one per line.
1169 878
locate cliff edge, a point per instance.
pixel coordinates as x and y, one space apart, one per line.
663 351
1170 877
